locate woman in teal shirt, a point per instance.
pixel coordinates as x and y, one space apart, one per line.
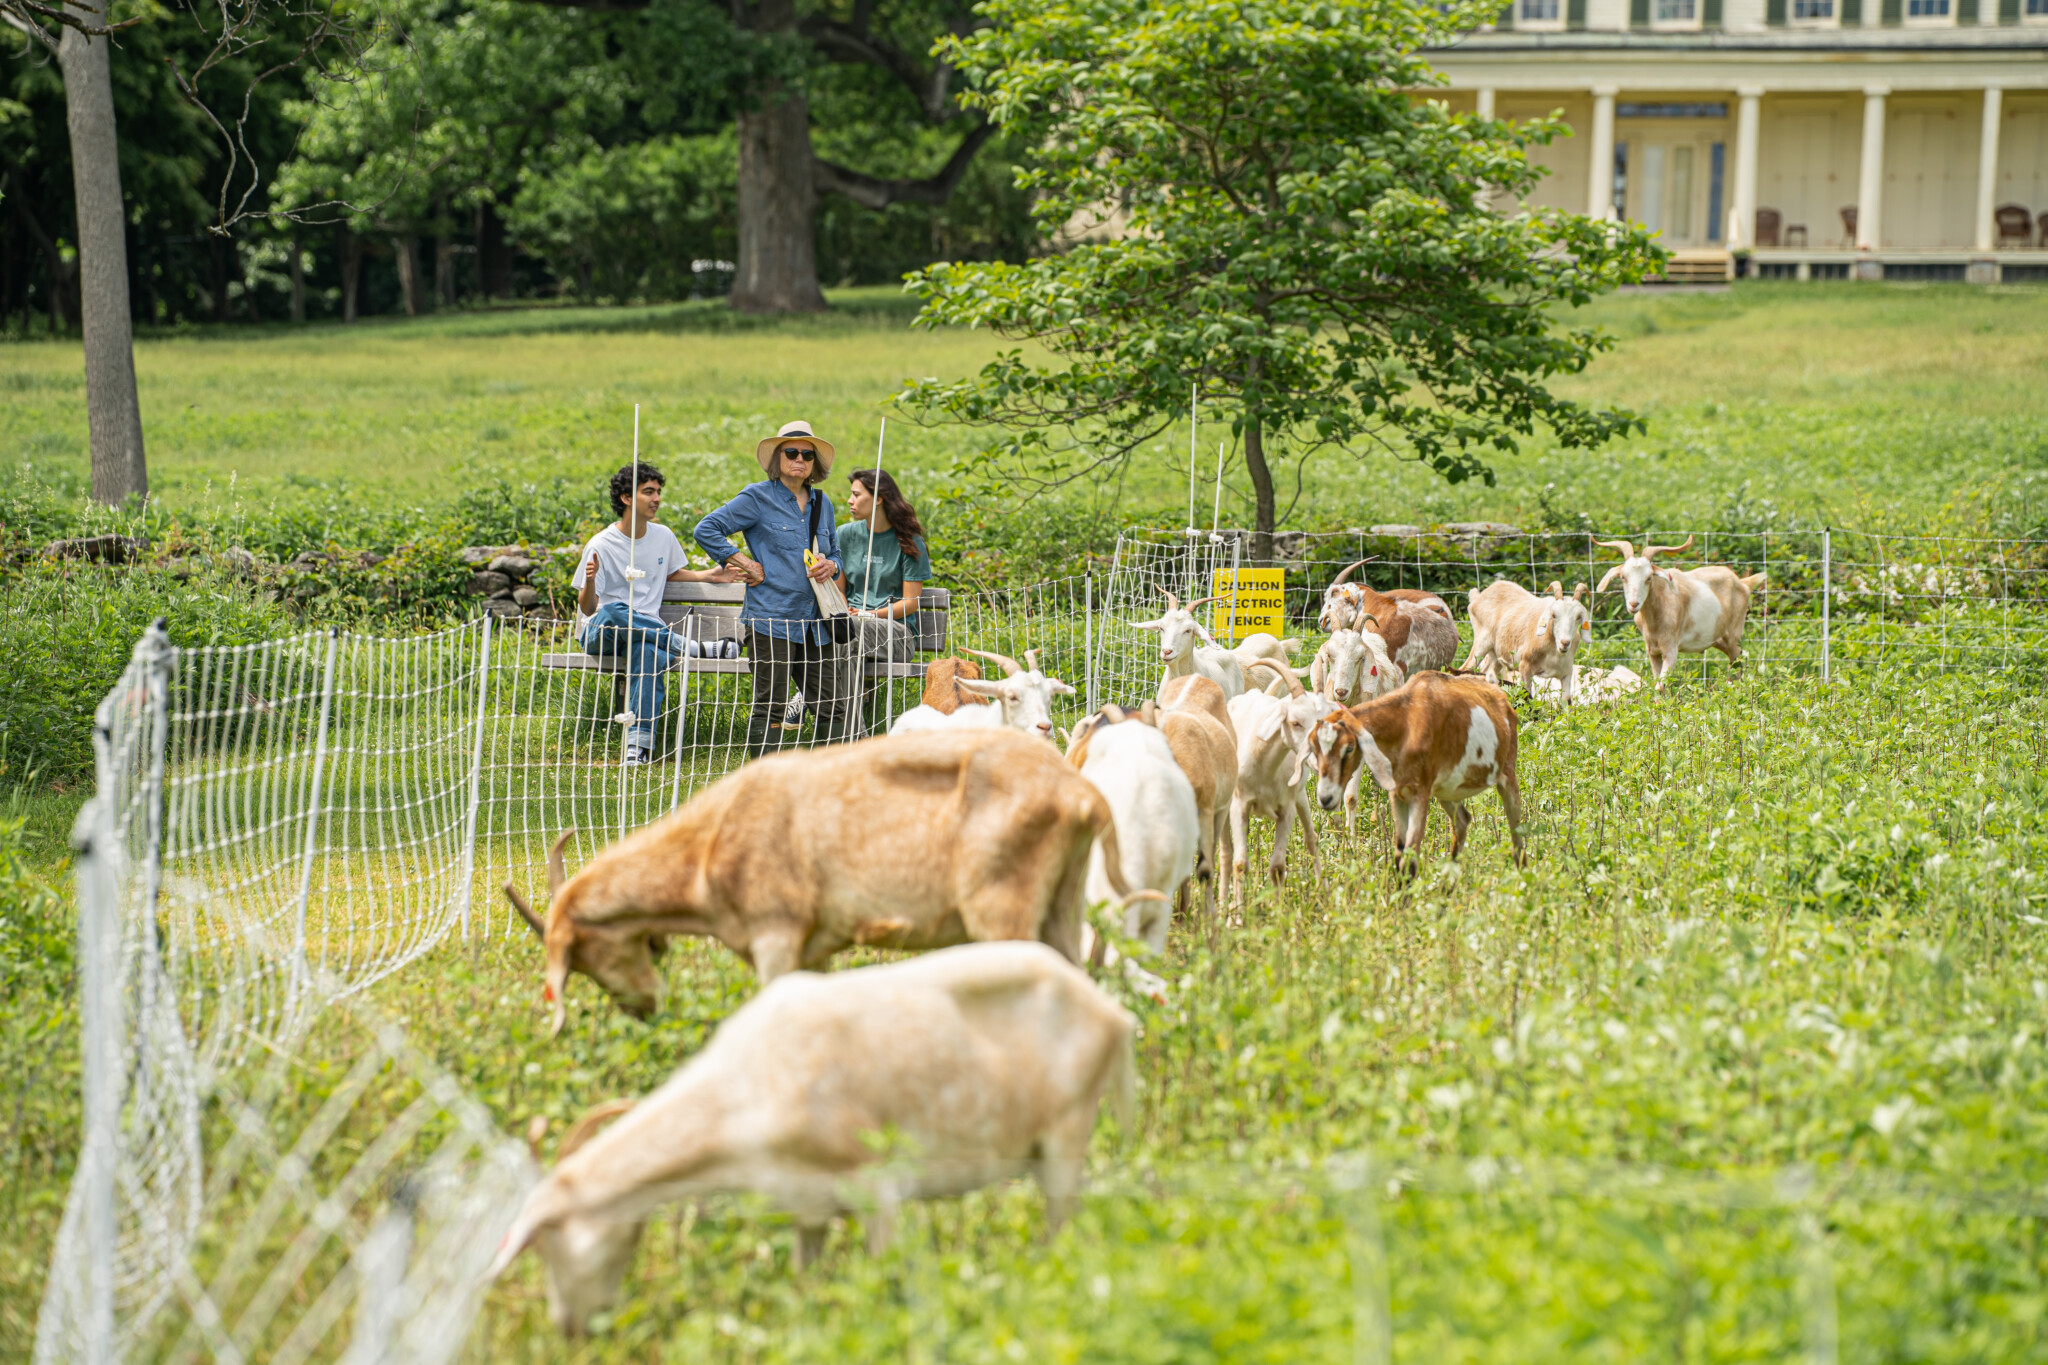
883 566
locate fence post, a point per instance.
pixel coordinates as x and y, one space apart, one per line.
99 998
299 964
1088 641
466 889
1827 598
1764 664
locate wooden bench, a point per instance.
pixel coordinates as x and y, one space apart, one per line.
711 611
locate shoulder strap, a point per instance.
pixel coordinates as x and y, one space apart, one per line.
817 504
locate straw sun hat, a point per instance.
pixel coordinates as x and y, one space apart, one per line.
765 452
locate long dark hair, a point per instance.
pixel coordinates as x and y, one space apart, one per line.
902 516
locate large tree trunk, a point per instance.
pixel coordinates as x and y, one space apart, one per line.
113 412
351 270
298 263
778 266
1262 490
407 250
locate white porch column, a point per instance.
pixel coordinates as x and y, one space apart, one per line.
1743 231
1870 184
1600 193
1987 168
1485 101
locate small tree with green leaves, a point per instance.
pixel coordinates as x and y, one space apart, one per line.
1254 208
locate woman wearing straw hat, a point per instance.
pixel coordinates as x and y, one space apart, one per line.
786 636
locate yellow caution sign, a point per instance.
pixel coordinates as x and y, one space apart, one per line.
1249 600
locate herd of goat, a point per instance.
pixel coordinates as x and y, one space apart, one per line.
965 829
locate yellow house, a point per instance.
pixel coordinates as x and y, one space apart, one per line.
1867 139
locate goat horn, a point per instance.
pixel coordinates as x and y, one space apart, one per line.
1294 687
1172 602
1649 550
526 912
557 874
1340 578
1627 550
586 1126
1362 618
1556 589
1011 668
1031 660
1202 601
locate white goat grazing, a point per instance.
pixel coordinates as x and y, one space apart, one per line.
1595 685
1183 650
1537 637
988 1060
1353 666
1152 805
1023 701
1272 748
1685 612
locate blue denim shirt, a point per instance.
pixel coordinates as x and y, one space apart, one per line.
767 514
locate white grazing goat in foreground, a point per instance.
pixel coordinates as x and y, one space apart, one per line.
1272 746
1152 803
1536 637
1023 701
1681 612
1183 650
986 1061
1353 666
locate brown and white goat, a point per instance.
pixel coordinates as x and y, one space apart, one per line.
904 841
1194 716
1681 612
1536 637
1439 738
983 1062
942 690
1417 626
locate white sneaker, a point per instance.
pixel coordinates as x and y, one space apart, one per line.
637 757
793 714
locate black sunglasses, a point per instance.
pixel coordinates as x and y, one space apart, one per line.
799 452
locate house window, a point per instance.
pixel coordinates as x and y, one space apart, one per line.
1675 12
1539 14
1927 11
1813 11
2037 9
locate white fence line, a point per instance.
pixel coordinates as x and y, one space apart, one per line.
277 826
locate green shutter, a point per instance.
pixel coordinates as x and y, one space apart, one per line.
1966 11
1507 18
2008 11
1575 13
1710 14
1891 14
1852 13
1638 13
1774 13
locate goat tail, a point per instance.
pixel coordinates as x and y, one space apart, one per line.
1754 581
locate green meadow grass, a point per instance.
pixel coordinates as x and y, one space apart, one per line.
1893 408
1767 926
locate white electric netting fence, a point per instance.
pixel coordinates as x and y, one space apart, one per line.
278 826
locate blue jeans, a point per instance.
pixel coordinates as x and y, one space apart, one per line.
648 646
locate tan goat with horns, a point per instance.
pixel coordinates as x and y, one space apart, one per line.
912 842
1681 612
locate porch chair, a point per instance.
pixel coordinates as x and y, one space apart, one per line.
2014 223
1795 234
2044 232
1768 222
1849 223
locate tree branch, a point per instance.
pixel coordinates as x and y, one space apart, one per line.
874 193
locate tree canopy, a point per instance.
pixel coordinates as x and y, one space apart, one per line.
1256 204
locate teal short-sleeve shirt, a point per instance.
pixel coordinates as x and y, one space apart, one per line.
873 587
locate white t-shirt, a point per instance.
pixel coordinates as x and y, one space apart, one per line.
656 554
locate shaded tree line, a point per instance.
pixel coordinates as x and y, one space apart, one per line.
493 149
